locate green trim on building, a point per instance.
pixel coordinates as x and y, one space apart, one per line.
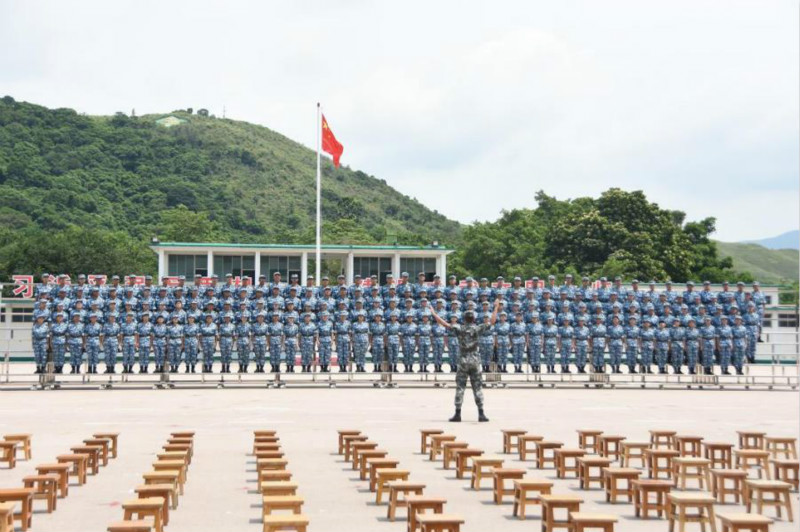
337 247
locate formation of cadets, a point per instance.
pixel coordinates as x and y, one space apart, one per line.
562 325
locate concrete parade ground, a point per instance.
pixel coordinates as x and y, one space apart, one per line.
221 487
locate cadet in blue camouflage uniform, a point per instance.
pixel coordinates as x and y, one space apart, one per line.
174 343
517 331
752 322
243 342
191 332
566 342
534 331
692 345
144 341
648 337
663 336
424 335
360 342
469 364
75 342
550 334
276 343
209 334
92 331
725 338
708 334
227 334
632 339
343 329
291 331
453 347
599 333
582 334
40 335
58 342
128 331
260 332
740 335
308 342
486 344
325 335
408 334
377 344
677 336
439 334
616 335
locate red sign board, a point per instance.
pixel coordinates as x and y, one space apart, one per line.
171 281
98 280
205 281
136 280
23 285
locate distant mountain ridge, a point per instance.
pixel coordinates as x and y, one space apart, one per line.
787 240
776 266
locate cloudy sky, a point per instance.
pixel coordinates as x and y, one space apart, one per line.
471 107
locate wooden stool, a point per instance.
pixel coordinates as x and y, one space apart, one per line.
277 489
632 450
7 517
720 489
424 438
113 436
511 440
662 439
439 522
62 470
759 489
271 464
749 522
141 509
419 505
131 526
184 434
552 502
155 478
563 458
688 468
787 471
349 440
384 477
436 444
364 457
610 446
463 457
585 466
266 432
173 465
296 522
24 443
45 487
171 447
580 521
659 461
376 465
357 447
689 445
642 489
266 438
588 440
747 459
93 454
182 456
482 468
406 489
342 434
266 475
8 453
749 439
23 496
542 457
273 453
523 444
613 476
78 464
105 443
719 453
679 502
782 447
447 451
521 490
168 492
500 475
272 503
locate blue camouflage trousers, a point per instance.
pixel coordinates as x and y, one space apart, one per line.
581 350
394 350
343 351
128 350
260 349
692 349
190 351
144 352
615 350
75 352
438 350
93 350
676 356
243 351
752 339
110 347
503 348
59 352
453 350
708 354
738 355
378 349
631 355
725 355
325 348
647 354
409 346
290 351
275 348
535 353
159 351
517 351
207 344
598 356
662 354
360 352
550 353
306 350
566 349
40 352
174 350
485 348
424 350
226 349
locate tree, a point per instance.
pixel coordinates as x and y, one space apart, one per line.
182 225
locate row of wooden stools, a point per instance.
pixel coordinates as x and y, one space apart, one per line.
277 490
161 488
671 462
385 477
473 463
11 444
51 481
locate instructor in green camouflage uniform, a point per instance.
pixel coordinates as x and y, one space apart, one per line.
469 363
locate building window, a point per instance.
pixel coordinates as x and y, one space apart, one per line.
768 300
187 265
369 266
766 322
287 266
787 320
416 265
21 315
236 265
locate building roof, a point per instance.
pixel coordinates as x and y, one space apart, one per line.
301 247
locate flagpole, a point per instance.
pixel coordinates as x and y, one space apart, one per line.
319 201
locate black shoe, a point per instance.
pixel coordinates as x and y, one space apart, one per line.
678 371
456 417
726 372
481 416
376 369
632 369
581 369
739 372
564 369
342 369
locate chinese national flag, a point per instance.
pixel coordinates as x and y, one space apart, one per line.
330 144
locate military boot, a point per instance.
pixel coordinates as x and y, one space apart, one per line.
481 416
456 417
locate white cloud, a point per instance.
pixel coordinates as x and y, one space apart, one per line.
469 106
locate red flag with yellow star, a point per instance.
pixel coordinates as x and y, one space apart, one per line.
330 144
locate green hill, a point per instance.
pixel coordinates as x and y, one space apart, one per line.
767 265
119 180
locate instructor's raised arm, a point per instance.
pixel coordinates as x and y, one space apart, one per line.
439 320
493 319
